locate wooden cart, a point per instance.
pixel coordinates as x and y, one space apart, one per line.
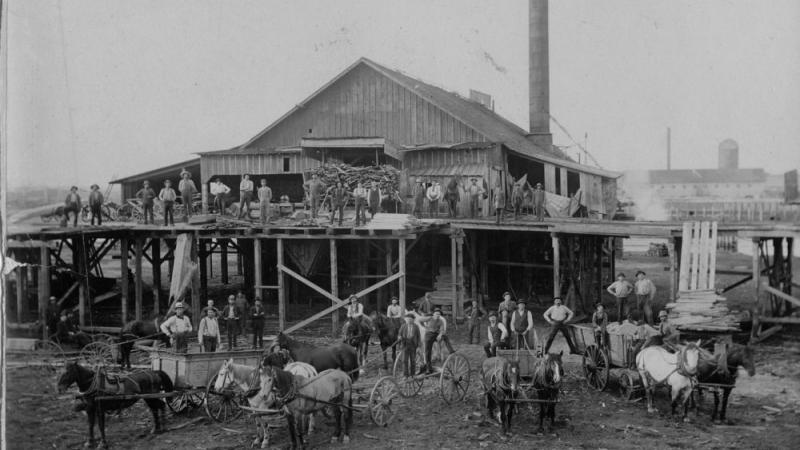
194 375
454 376
601 362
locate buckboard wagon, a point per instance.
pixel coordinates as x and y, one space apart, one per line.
618 358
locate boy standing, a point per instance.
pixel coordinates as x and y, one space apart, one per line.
146 195
539 201
360 196
167 197
434 193
264 199
245 195
96 204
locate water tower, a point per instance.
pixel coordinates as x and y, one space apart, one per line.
728 154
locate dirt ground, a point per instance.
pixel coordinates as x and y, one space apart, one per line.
764 411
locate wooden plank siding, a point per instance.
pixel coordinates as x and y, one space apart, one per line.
235 164
364 103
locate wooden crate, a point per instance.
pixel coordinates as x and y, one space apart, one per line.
196 369
582 335
527 360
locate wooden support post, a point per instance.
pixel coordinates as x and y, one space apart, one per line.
757 273
484 256
138 285
281 288
22 292
334 287
223 263
79 258
171 262
204 196
239 262
598 251
202 256
155 245
454 273
123 281
44 286
459 312
673 262
388 291
473 269
194 256
401 255
556 265
257 268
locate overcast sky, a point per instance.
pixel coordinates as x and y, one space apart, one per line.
102 89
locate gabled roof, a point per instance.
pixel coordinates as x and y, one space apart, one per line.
495 127
188 165
717 176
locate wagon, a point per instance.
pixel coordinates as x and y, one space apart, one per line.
618 358
193 376
454 376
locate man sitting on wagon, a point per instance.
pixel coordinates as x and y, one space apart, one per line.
67 332
355 314
668 336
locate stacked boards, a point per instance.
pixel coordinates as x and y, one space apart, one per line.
386 221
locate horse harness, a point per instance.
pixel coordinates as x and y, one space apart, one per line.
680 368
292 394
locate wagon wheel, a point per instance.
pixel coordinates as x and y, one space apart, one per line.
223 406
409 386
382 406
454 381
49 353
98 354
595 367
185 400
628 385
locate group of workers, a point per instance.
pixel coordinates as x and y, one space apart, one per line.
366 199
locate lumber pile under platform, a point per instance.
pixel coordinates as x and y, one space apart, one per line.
702 310
386 221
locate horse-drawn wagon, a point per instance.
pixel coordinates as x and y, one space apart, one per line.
600 363
453 375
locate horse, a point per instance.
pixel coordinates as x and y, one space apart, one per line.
500 379
338 356
302 396
358 334
723 370
93 384
387 329
138 329
547 375
658 366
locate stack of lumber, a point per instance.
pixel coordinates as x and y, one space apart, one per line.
702 310
387 176
386 221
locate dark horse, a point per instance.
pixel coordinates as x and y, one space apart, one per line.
723 371
338 356
547 375
138 329
358 334
387 329
500 379
93 384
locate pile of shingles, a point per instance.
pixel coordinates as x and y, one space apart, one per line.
386 221
386 176
702 310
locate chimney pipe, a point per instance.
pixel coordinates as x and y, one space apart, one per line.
539 73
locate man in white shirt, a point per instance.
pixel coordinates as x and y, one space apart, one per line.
187 189
208 332
558 315
434 194
621 289
360 197
394 310
177 328
435 330
355 313
497 334
219 191
264 199
645 294
245 195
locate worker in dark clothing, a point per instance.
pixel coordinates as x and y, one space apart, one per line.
72 204
146 195
339 197
314 188
257 315
517 197
539 202
419 197
231 315
67 332
374 197
409 338
96 204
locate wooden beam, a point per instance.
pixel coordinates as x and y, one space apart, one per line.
408 250
454 273
334 285
123 282
765 334
472 244
257 268
44 286
686 253
223 258
712 264
202 257
694 269
789 320
22 292
281 287
494 262
387 292
79 258
155 246
673 259
307 282
756 270
194 255
484 256
138 288
458 313
780 294
556 265
401 258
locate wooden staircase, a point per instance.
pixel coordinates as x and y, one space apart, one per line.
442 295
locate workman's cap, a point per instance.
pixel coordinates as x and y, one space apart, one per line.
409 314
353 297
395 298
439 310
492 314
73 188
474 179
186 172
557 298
506 293
53 297
621 275
539 184
231 297
662 313
94 186
640 272
521 301
179 305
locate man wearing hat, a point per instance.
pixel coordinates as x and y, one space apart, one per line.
219 190
178 328
645 294
167 197
517 197
208 334
621 289
66 331
264 201
505 310
257 316
497 334
474 314
435 330
51 316
557 316
499 203
522 324
418 193
452 196
146 194
355 313
475 191
394 310
434 193
187 189
96 204
72 204
231 314
538 202
360 199
314 189
209 305
409 338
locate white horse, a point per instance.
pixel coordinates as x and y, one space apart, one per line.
657 366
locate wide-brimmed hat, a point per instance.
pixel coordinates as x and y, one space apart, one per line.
439 310
506 293
662 313
186 172
94 186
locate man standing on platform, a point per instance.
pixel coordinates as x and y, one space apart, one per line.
621 289
96 204
187 189
434 193
147 196
339 196
645 294
557 316
475 191
219 190
167 197
208 331
435 330
360 196
264 199
517 196
474 315
497 334
257 315
522 324
374 197
231 315
419 198
72 204
539 202
244 308
499 203
177 328
409 338
245 195
314 188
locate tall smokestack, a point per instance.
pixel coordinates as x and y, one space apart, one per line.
539 74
